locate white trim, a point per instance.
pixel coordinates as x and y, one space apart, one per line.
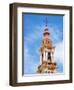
66 43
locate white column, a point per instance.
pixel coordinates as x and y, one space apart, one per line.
40 59
46 53
52 57
44 56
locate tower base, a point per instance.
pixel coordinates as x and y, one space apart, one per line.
47 67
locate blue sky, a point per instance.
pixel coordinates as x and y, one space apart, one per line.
34 25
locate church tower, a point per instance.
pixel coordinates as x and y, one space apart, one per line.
47 63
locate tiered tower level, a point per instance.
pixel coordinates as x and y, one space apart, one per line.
47 62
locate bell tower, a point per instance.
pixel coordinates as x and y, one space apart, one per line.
47 63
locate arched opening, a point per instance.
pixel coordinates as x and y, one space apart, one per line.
49 56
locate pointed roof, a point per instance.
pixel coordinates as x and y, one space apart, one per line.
46 28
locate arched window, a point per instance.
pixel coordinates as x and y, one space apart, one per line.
49 56
42 56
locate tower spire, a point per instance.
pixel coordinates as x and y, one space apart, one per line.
46 21
46 32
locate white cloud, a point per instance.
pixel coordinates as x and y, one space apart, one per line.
30 64
59 52
59 56
35 35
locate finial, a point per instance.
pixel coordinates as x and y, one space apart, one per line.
46 21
